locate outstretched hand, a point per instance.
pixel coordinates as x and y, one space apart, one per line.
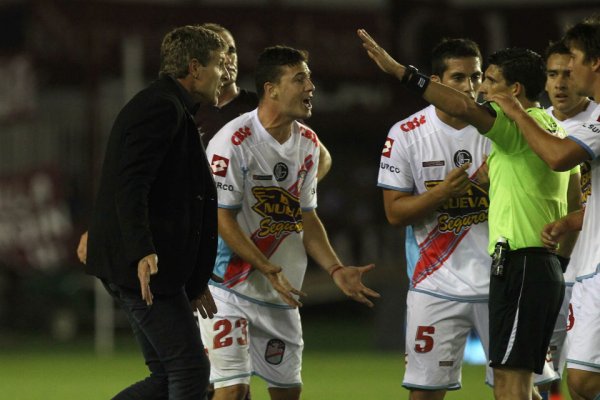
285 289
379 55
349 280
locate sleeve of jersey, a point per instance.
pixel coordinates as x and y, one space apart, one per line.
588 137
308 191
504 133
394 166
228 171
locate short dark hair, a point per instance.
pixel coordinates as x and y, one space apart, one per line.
216 28
451 48
558 47
270 63
185 43
585 36
524 66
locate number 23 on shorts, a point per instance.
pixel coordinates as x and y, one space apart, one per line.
224 337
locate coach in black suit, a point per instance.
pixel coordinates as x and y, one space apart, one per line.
156 206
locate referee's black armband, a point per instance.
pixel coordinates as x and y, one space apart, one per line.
564 262
414 80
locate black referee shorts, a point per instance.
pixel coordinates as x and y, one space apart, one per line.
524 303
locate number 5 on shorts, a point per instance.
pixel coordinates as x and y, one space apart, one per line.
424 335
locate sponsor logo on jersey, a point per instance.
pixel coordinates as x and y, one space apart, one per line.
462 157
310 135
413 124
262 177
280 211
280 170
240 135
275 351
586 181
387 147
459 213
592 127
219 165
224 186
438 163
391 168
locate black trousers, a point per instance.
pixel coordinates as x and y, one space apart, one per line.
169 337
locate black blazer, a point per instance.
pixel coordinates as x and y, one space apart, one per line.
156 195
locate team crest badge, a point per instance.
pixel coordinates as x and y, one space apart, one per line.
280 171
275 351
462 157
219 165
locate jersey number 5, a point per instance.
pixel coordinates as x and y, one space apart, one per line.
424 335
223 339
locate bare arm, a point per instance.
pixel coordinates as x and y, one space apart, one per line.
242 245
347 278
404 209
553 232
449 100
567 242
559 154
325 162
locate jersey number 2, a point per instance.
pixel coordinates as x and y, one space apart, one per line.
222 339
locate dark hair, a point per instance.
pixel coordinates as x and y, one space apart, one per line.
558 47
585 36
451 48
270 63
524 66
185 43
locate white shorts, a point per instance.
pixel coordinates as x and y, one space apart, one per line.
436 335
246 338
583 339
557 353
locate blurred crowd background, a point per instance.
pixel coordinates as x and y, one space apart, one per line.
67 67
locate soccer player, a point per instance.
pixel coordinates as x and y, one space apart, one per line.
235 101
428 174
571 111
524 196
583 354
264 164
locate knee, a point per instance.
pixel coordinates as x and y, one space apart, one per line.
234 392
583 383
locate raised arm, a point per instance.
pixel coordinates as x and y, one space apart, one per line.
559 154
449 100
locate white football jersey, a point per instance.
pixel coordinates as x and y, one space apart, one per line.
570 125
271 184
587 250
447 251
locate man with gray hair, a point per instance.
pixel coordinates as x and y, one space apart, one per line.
157 201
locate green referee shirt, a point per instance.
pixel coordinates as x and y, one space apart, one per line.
525 194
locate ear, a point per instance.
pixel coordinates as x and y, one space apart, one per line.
271 90
436 78
595 64
517 89
194 68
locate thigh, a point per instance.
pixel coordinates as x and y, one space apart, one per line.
276 347
436 336
584 336
226 338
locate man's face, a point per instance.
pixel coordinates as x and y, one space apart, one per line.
208 80
463 74
559 86
294 91
231 58
581 73
494 82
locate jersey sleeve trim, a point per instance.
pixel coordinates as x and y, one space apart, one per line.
230 206
587 148
398 189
